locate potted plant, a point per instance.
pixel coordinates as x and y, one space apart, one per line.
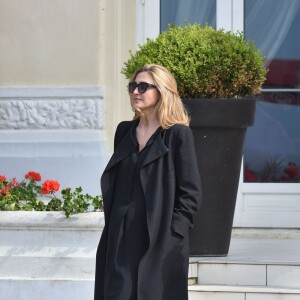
217 72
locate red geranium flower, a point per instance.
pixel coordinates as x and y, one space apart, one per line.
249 176
292 170
50 186
4 190
14 182
2 178
35 176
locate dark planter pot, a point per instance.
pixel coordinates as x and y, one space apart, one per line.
219 127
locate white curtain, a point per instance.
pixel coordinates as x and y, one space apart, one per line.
179 11
270 33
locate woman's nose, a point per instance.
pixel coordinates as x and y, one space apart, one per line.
136 91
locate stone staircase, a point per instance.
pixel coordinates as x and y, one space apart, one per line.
44 256
261 265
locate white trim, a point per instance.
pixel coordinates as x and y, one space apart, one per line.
150 23
43 220
51 135
237 15
51 92
224 14
140 22
271 188
152 29
281 90
230 15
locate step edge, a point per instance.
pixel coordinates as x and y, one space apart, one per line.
45 279
263 233
243 288
216 260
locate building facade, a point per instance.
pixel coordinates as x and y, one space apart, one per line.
62 93
61 90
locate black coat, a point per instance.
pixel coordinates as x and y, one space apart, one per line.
172 189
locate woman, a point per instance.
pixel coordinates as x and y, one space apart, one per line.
151 192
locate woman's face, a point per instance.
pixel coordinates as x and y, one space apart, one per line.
145 101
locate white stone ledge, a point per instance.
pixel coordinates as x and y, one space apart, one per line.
75 268
243 289
266 233
92 221
34 289
50 135
49 92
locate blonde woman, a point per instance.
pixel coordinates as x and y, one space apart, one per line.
151 192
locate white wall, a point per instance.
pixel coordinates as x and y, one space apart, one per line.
57 132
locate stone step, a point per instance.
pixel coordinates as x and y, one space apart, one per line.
49 234
45 251
58 289
46 289
251 262
266 233
249 274
47 268
45 256
229 292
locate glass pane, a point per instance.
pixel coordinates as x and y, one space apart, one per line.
191 11
272 147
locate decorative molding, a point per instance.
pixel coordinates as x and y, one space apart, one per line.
51 108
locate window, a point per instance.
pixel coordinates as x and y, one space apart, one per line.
272 148
191 11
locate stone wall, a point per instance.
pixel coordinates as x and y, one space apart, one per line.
44 255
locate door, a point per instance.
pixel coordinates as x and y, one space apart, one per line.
269 190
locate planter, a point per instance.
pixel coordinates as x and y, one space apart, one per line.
45 251
219 127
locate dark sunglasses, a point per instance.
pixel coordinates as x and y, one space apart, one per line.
142 87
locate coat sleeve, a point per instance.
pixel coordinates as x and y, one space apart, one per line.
188 184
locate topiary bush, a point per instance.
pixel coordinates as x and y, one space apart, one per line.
206 63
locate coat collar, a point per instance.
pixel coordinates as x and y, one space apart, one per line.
157 149
126 147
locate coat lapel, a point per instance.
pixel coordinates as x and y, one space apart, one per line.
157 150
125 148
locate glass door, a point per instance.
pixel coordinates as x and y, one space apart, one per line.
271 181
272 151
269 190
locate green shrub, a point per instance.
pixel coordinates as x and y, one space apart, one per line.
205 62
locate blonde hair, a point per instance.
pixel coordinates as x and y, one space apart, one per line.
170 109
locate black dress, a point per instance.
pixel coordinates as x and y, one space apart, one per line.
128 236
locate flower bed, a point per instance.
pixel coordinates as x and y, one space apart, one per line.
27 195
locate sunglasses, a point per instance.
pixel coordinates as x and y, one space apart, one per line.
142 87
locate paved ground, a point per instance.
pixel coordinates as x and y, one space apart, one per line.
257 247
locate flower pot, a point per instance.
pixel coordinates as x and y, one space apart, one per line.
219 127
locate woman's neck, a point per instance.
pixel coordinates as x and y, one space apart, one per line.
149 121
